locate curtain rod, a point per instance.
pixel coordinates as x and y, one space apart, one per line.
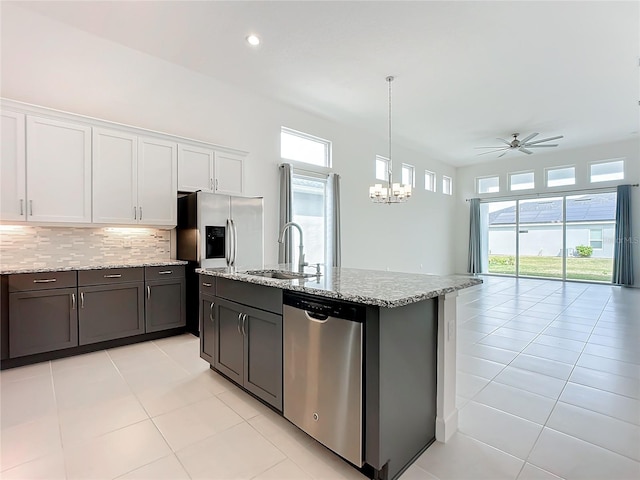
551 193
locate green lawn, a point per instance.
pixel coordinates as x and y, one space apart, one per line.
599 269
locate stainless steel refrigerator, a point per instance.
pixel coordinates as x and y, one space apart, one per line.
217 231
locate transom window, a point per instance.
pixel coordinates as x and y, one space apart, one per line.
408 175
429 181
521 181
302 147
557 177
606 171
447 185
488 185
382 168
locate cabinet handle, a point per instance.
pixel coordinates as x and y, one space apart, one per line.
148 292
211 183
81 299
244 319
206 284
73 301
211 311
21 207
239 319
135 213
47 280
140 213
216 184
113 275
165 272
31 208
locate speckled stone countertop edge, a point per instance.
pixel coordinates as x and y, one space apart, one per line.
398 299
16 269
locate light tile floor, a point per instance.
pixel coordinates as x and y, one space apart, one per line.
548 387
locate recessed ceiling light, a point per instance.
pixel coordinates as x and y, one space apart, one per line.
253 40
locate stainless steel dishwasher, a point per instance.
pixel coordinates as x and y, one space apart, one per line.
323 371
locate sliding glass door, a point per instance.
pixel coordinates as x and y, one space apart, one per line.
565 237
540 234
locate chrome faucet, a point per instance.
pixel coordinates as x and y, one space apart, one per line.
301 262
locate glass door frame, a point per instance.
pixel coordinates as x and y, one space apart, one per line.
563 195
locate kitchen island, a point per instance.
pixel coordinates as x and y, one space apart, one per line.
408 349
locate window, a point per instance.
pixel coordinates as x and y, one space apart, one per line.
305 148
382 168
595 238
488 185
309 211
447 185
408 177
521 181
606 171
429 181
557 177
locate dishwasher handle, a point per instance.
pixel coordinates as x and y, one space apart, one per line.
316 317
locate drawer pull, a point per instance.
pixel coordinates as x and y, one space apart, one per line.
165 272
47 280
206 284
114 275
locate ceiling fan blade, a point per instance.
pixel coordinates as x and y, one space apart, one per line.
546 139
498 147
494 151
504 141
503 154
525 140
547 145
524 150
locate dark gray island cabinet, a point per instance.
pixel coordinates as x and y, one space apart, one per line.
241 335
408 361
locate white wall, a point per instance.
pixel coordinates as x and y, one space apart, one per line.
47 63
515 162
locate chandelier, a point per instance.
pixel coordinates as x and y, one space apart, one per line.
391 192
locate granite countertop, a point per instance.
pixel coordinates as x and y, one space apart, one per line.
369 287
67 266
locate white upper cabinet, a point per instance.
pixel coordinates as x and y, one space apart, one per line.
195 168
134 179
157 183
13 167
229 173
209 170
115 177
58 171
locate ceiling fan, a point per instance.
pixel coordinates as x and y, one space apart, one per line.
522 145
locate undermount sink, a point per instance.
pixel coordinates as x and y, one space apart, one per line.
280 274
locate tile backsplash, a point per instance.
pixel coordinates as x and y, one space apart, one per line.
39 246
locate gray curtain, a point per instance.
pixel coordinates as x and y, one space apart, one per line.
285 249
622 251
335 210
475 256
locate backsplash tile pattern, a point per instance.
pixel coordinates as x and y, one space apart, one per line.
40 246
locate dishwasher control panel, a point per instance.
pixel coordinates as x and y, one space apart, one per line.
326 306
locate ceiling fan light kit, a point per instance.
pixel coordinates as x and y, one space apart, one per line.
523 145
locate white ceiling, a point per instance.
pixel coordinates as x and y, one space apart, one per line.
466 72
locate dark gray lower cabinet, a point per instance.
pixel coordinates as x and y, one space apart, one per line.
42 321
110 311
165 301
248 349
207 328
